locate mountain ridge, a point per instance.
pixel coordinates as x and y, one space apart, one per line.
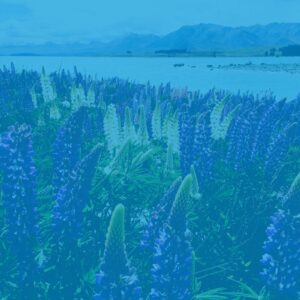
191 38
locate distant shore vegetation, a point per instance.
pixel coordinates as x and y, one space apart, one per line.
291 50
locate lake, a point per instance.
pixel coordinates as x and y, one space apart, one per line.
194 74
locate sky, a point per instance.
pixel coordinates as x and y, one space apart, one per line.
60 21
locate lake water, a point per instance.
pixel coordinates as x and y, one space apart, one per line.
162 70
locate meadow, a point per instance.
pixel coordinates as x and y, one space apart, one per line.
115 190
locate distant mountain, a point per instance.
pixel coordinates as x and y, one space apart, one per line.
215 37
202 37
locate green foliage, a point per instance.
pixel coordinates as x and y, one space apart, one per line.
226 218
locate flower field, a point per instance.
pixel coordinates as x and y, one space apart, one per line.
113 190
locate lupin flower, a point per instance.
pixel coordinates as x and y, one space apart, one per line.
277 150
177 217
159 216
172 270
72 198
47 88
68 225
156 122
195 185
172 132
19 199
170 128
170 160
66 149
91 97
166 111
264 130
226 123
143 135
240 136
54 113
117 279
34 98
128 129
186 139
77 97
220 126
202 154
281 260
112 129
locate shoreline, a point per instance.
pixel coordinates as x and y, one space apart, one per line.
184 55
293 68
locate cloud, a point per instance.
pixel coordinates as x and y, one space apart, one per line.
14 11
38 21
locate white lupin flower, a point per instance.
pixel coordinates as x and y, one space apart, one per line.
34 97
54 112
172 129
143 136
111 129
220 127
128 129
47 88
91 97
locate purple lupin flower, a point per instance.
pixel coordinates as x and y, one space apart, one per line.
186 139
66 149
202 153
277 150
72 198
281 258
264 130
172 269
68 227
159 216
19 199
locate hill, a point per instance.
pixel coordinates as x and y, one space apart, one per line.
187 40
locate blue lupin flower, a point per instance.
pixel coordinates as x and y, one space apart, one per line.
159 216
240 137
68 227
172 270
264 130
186 140
202 154
19 198
72 198
278 150
66 150
281 260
